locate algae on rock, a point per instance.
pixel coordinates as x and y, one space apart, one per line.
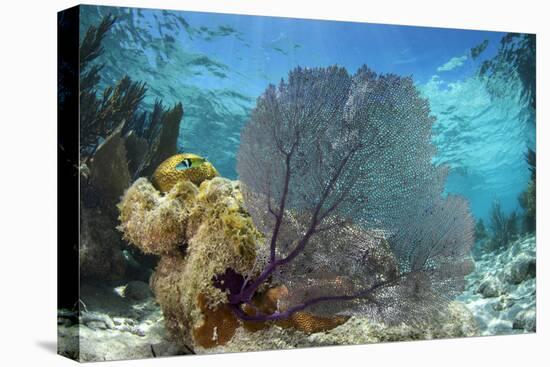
198 232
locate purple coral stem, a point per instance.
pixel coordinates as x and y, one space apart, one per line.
247 293
313 301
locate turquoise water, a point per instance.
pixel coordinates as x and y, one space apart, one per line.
217 65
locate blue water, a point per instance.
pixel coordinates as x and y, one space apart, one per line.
217 65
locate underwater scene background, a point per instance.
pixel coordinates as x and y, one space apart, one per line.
480 87
219 64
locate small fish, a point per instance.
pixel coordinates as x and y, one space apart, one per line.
190 163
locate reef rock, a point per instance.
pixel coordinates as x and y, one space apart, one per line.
489 287
110 326
103 182
526 320
137 290
198 232
100 246
523 267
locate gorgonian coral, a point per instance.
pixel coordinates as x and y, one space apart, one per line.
120 140
337 173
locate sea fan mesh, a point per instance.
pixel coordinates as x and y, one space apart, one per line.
346 162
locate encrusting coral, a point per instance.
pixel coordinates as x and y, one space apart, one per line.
270 301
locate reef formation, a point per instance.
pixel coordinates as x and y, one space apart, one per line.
321 229
501 293
199 232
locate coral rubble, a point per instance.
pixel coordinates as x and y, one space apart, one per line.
501 293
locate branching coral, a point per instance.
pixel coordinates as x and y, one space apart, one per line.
346 160
528 198
480 230
161 137
516 57
503 227
100 116
155 133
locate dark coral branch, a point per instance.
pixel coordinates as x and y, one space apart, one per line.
91 47
531 159
281 315
280 211
274 263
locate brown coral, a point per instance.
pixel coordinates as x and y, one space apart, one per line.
219 323
218 326
309 323
269 302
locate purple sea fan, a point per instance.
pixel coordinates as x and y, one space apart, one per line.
337 173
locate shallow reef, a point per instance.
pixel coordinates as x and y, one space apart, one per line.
199 233
338 232
501 292
309 240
